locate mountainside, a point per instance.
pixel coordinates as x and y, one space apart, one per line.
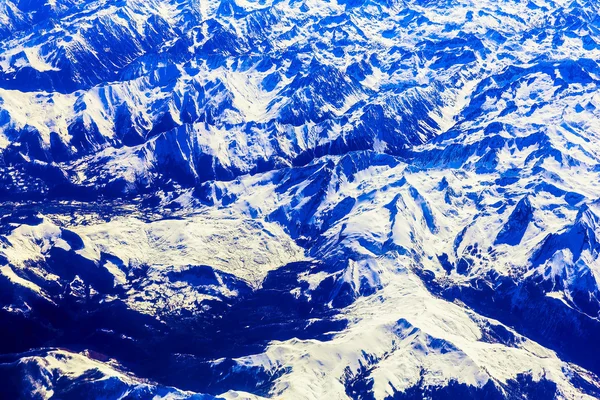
353 199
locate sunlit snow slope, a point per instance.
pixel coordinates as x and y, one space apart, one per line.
299 199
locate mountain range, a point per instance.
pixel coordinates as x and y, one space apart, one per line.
300 199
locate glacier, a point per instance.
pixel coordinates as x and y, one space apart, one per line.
299 199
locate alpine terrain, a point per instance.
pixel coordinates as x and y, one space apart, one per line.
300 199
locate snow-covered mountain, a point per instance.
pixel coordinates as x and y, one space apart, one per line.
300 199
